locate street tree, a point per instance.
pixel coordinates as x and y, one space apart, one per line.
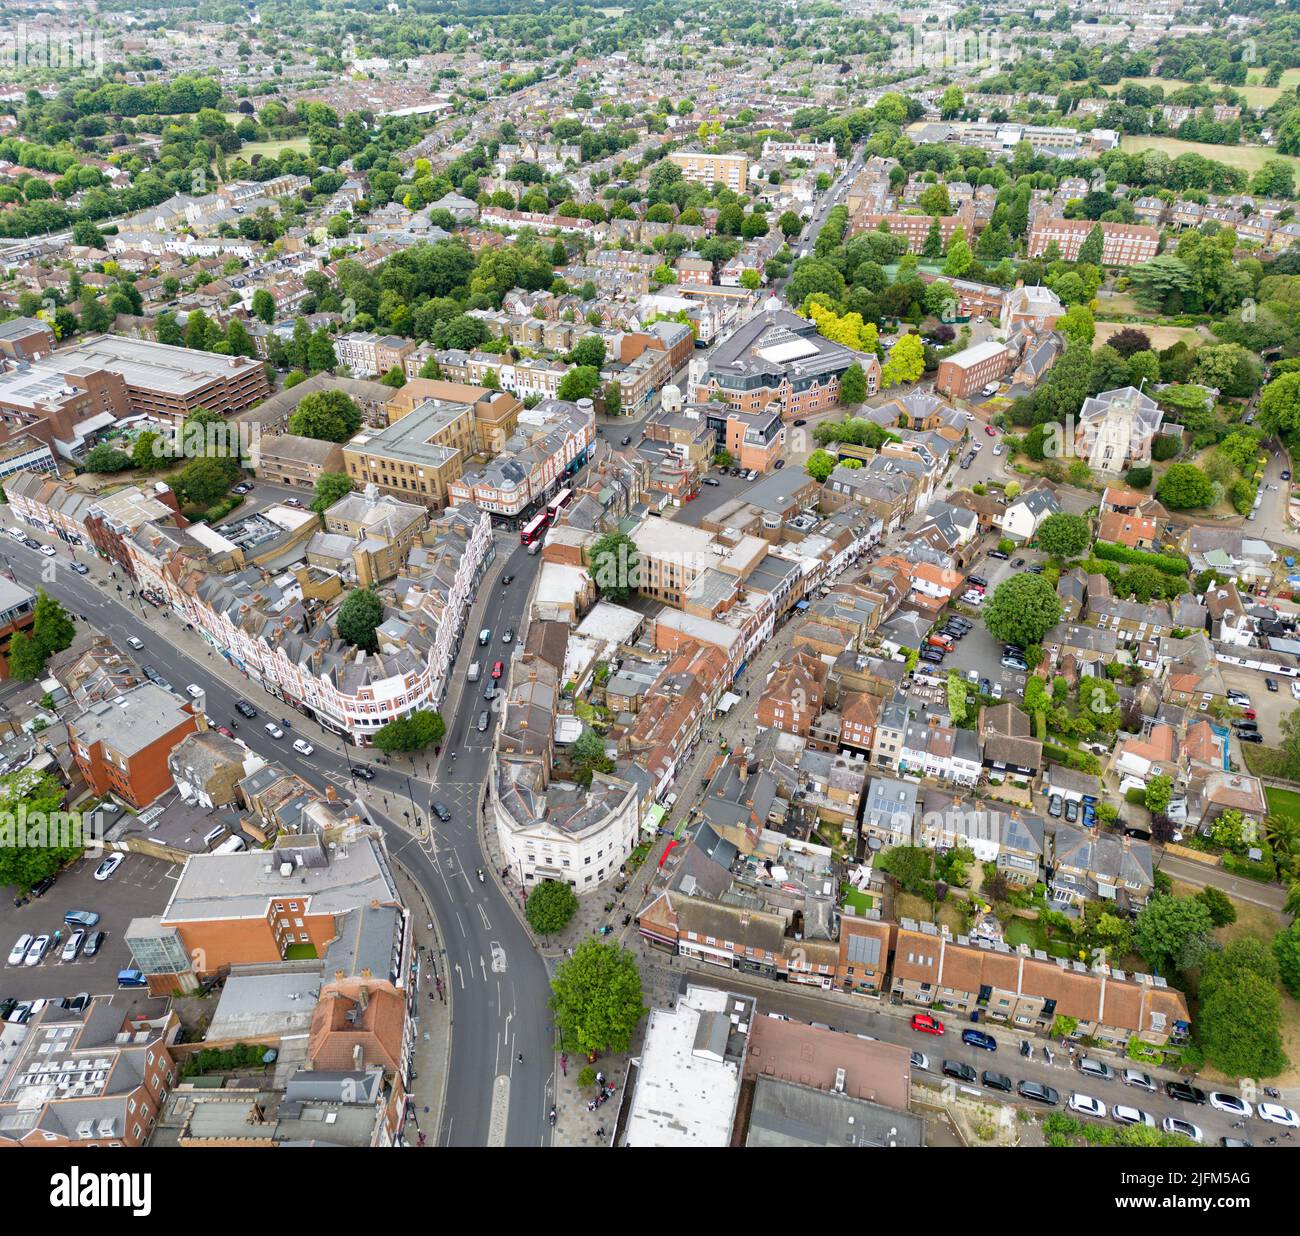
596 999
550 907
1023 609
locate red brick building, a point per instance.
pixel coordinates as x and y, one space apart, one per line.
121 744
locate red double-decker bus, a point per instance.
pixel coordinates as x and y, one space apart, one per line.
559 502
534 527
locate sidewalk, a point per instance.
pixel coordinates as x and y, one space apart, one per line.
431 1052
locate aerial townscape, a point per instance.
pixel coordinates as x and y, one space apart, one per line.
653 575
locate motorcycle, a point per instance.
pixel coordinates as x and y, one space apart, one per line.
284 722
551 1117
234 725
1025 1049
1272 1094
480 875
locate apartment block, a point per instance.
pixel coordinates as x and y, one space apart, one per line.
702 167
972 369
1124 244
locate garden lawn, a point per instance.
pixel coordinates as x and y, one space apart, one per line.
1249 158
1161 336
1282 802
300 952
859 900
1263 924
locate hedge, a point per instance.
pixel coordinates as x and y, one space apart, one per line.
1080 761
1265 873
1135 796
1170 564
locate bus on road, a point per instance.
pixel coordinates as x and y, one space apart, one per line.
534 528
558 503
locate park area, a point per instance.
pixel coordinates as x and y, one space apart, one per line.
1248 158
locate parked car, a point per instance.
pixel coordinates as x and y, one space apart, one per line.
1234 1141
920 1061
1230 1103
926 1024
780 463
109 865
1185 1093
36 951
72 946
1185 1128
996 1081
131 978
977 1038
997 553
1138 1079
1054 806
1086 1105
1250 736
1071 810
1095 1068
92 945
19 950
1275 1113
1038 1093
80 567
977 579
48 550
708 480
483 721
1121 1113
81 918
43 885
1271 684
962 1072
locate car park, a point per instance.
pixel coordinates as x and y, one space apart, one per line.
977 1038
72 946
1230 1103
109 865
1038 1093
1121 1113
1184 1128
996 1081
274 730
1086 1105
1184 1092
926 1024
19 950
36 951
1275 1113
962 1072
1138 1079
302 746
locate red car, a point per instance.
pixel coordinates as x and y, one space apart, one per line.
926 1024
498 669
992 433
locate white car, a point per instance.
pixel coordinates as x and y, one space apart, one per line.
137 644
19 950
1295 687
1172 1124
108 866
1275 1113
36 952
274 730
1123 1114
997 690
194 691
1230 1103
1086 1105
48 551
302 747
72 946
997 449
977 446
18 534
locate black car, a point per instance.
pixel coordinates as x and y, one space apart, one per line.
1271 684
7 1006
708 480
1035 570
977 579
780 463
363 771
41 887
507 579
996 1081
1286 472
804 422
1018 562
245 709
441 811
93 943
997 553
1185 1093
1250 736
977 1038
1038 1093
627 439
962 1072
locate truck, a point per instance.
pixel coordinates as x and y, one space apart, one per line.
473 672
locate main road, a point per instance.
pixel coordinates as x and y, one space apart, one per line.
499 985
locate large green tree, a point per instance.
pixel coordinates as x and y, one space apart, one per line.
596 999
1184 486
1023 609
329 416
1063 535
1241 1010
550 906
615 565
41 796
1164 926
358 617
330 487
52 626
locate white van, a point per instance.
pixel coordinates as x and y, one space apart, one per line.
534 547
473 672
231 845
215 835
